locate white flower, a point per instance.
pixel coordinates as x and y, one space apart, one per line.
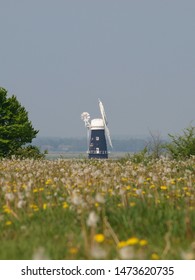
97 252
154 178
40 254
189 255
99 198
9 196
126 253
140 180
92 219
21 203
20 195
76 198
134 173
138 191
63 180
97 173
55 179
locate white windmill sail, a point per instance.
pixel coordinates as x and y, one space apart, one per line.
105 122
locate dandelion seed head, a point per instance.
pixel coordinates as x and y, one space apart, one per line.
9 196
98 252
92 219
40 254
138 192
21 203
140 180
99 198
188 255
126 253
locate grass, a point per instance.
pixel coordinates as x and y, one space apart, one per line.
97 209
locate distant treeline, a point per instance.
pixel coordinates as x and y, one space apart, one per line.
55 144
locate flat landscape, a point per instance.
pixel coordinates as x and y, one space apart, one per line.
97 209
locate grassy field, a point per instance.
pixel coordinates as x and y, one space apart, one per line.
81 155
90 209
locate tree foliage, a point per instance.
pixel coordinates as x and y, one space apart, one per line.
15 128
182 146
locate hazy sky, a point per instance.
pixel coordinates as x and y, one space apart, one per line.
59 56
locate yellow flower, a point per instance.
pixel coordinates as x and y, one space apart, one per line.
155 256
99 238
34 207
164 188
73 250
65 205
180 179
123 179
143 242
122 244
6 209
44 206
132 241
188 194
8 223
48 182
132 204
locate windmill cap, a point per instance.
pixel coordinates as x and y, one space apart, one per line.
97 124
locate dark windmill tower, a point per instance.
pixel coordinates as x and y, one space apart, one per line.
97 134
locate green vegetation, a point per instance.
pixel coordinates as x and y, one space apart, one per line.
182 146
94 209
179 147
15 128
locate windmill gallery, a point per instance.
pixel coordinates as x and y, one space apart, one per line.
97 133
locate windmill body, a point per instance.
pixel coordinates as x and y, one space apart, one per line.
97 144
97 134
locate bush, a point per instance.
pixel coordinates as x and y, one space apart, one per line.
140 157
29 152
182 146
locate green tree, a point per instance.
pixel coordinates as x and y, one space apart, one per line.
182 146
15 128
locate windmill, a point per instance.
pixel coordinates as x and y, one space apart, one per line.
97 132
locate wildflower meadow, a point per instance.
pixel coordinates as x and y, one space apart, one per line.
97 209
